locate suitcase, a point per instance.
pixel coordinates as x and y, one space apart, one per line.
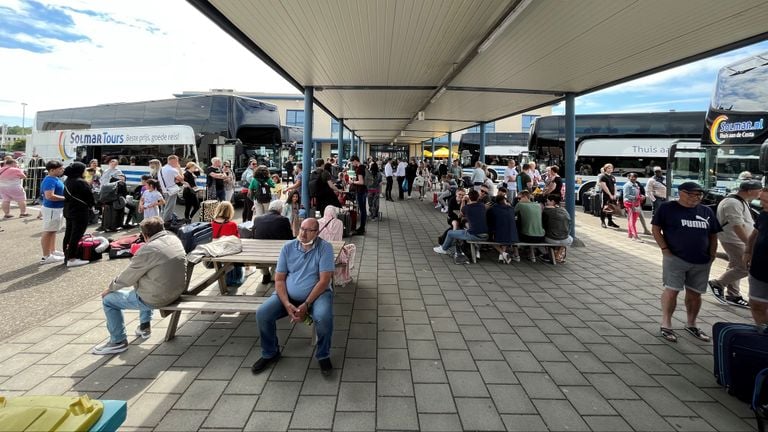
597 204
111 218
760 400
90 248
195 234
346 220
207 210
740 353
586 203
352 219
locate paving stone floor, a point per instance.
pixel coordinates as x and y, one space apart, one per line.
419 344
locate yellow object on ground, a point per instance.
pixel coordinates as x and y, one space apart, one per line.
49 413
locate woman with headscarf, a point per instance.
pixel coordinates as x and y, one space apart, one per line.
78 201
330 228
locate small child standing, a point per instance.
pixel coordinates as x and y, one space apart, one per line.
151 200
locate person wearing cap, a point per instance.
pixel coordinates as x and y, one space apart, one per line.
686 232
755 257
735 217
656 188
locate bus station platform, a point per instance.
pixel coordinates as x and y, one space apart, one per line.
420 343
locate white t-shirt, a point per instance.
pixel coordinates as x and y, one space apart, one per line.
509 173
401 169
151 197
167 179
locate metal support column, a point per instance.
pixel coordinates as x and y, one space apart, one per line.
483 139
341 140
433 151
422 150
569 162
306 155
450 149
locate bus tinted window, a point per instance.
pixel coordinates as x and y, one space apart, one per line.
741 87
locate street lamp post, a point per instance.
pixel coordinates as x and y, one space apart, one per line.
23 116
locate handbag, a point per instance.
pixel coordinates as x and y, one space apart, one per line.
612 208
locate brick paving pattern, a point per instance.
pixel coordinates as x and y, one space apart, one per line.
419 344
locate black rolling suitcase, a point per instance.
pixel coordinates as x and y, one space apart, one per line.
740 353
586 202
195 234
346 220
597 204
760 400
111 218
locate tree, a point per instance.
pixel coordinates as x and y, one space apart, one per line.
19 144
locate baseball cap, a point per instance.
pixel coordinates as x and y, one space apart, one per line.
690 187
749 185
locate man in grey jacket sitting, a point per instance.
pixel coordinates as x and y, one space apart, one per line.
156 274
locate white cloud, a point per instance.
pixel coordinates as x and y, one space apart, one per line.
125 63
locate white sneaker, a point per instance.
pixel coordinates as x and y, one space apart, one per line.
51 259
76 263
444 210
440 250
437 206
57 253
478 253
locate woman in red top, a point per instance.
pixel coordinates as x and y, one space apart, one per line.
223 225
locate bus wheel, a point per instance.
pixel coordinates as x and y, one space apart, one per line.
584 189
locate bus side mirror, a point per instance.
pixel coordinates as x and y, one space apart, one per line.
763 165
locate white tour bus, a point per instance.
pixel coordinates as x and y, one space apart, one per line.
133 147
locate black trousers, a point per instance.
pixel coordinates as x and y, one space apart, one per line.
388 191
400 186
410 184
191 203
247 208
74 231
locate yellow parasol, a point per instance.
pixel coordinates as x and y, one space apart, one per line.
442 152
427 153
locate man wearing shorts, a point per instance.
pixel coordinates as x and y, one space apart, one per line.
755 256
686 232
52 189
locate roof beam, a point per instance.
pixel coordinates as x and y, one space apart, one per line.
374 87
558 93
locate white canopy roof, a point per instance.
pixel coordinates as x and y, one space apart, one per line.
378 63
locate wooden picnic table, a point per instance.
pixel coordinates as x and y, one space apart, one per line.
255 253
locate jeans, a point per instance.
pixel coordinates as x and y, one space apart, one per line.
114 303
373 202
170 205
453 235
272 310
362 198
656 203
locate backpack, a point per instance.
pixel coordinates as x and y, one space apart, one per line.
370 180
262 194
714 208
314 181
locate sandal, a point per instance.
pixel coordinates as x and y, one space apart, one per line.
668 334
698 333
8 216
24 214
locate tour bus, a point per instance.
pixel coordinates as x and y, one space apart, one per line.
734 132
630 142
142 143
500 147
233 128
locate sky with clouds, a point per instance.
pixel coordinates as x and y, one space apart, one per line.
65 53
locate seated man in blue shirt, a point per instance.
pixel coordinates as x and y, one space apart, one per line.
302 287
477 226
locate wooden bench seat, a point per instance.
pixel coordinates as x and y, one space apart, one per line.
473 244
222 304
